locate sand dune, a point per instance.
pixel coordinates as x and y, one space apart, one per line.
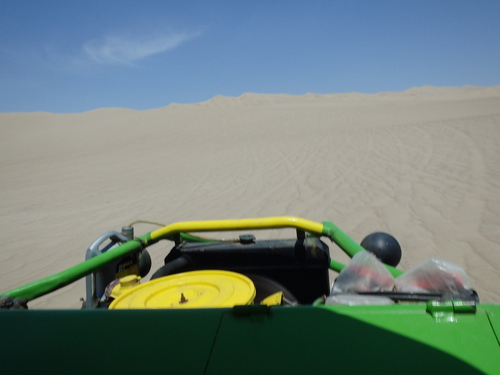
422 164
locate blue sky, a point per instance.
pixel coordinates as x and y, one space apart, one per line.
74 56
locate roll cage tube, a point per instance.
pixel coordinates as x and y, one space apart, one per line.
178 230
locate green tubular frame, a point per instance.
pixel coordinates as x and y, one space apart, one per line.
178 230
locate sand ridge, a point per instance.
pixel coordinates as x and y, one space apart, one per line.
422 164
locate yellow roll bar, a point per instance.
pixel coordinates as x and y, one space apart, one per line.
238 224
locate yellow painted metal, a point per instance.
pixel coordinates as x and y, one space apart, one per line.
196 289
273 300
239 224
126 284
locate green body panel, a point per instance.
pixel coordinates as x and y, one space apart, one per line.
468 336
249 340
107 342
494 316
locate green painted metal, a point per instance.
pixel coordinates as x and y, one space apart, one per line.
248 340
468 336
336 266
314 340
493 312
51 283
445 336
107 341
190 238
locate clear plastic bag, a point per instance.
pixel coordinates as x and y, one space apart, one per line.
365 273
434 276
357 300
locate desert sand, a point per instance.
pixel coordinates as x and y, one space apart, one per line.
422 164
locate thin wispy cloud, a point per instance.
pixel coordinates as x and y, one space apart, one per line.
120 50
